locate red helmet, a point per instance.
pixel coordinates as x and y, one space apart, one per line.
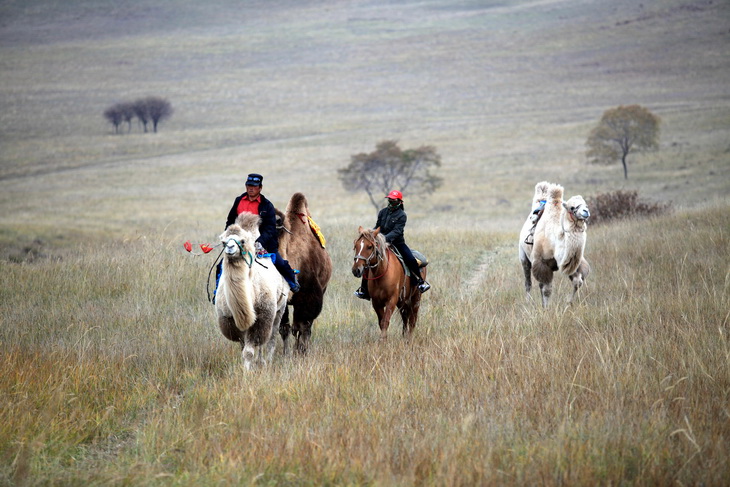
395 195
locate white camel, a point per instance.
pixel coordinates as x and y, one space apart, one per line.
251 295
555 242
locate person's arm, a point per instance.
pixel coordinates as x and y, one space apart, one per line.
269 237
399 227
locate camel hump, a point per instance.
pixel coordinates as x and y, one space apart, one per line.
556 193
298 203
541 190
248 221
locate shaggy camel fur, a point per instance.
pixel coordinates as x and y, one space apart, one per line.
559 241
301 247
251 295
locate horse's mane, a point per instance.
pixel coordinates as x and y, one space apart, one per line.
379 239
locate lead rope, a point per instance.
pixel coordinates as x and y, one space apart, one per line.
207 284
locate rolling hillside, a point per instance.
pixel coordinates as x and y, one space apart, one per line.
507 93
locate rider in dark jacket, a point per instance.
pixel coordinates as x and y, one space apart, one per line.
269 238
392 223
252 201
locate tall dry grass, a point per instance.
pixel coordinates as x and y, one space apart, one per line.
114 371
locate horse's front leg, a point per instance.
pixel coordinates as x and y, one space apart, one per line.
384 315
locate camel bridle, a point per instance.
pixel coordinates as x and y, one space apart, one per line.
244 253
579 221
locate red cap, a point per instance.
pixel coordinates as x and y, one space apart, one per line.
395 195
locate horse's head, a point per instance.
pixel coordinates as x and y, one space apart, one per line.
368 252
577 209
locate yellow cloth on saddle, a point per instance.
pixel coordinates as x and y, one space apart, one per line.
315 228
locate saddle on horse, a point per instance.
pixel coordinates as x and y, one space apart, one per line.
420 259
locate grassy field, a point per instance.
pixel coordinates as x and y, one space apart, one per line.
114 371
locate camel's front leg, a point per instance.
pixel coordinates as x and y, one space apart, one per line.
249 355
546 289
578 277
577 281
527 269
303 335
285 329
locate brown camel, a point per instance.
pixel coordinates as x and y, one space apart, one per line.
300 244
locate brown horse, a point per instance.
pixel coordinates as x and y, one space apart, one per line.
299 244
388 285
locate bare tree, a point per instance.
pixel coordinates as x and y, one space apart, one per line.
388 168
622 131
114 115
127 110
151 109
140 111
158 109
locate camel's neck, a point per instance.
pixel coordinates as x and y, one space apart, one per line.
569 224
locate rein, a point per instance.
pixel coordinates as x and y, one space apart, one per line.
207 284
380 259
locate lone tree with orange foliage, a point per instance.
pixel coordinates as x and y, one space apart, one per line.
622 131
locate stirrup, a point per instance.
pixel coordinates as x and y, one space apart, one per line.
424 286
361 294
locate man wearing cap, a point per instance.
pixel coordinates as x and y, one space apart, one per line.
252 201
392 223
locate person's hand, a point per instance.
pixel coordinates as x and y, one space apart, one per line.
259 248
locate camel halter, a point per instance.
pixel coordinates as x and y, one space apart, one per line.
244 253
580 223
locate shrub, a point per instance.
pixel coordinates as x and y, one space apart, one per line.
622 204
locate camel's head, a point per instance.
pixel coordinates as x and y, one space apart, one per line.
577 208
281 224
238 243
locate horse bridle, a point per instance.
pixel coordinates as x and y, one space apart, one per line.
375 253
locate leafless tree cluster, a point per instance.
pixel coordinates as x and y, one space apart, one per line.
150 110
